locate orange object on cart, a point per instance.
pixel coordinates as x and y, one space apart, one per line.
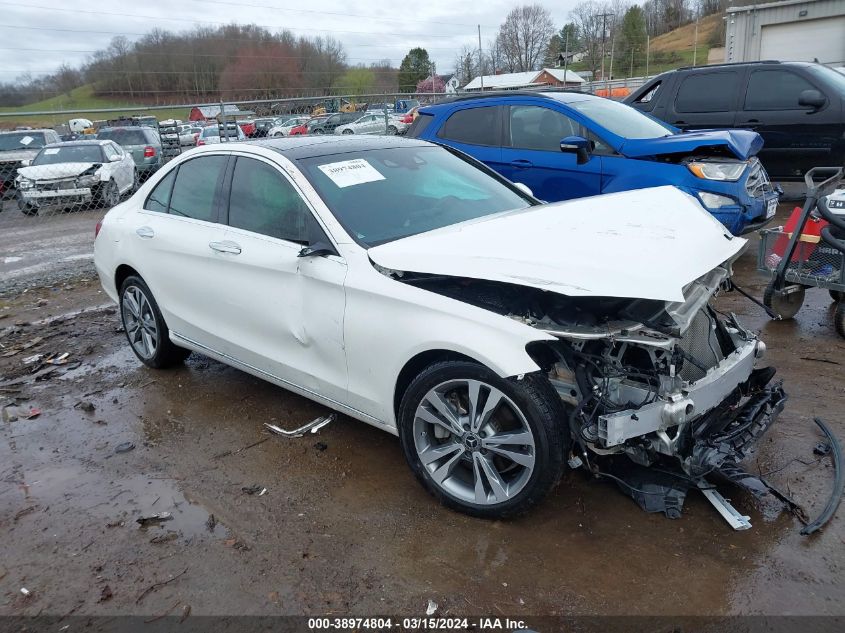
811 235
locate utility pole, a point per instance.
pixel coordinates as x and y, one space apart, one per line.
695 43
480 60
603 17
565 57
647 50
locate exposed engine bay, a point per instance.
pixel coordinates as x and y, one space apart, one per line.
670 386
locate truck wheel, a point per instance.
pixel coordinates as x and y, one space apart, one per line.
839 318
785 304
487 446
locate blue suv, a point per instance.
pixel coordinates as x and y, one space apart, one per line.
566 145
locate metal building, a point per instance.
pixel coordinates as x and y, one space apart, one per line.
791 30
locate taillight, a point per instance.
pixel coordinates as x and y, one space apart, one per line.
149 151
200 142
97 229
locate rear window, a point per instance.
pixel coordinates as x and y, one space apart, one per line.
474 126
419 125
124 137
21 140
707 92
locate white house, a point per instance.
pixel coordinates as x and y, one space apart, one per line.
555 77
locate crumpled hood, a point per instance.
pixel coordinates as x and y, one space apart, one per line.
641 244
53 172
742 143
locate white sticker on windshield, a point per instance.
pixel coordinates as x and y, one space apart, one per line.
26 140
52 150
351 172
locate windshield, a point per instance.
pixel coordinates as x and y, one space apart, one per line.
831 76
383 195
69 154
124 137
21 140
621 119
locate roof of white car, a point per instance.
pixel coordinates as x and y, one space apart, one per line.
311 146
88 142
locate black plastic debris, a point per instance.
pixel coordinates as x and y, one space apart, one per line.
256 489
822 449
653 490
321 446
152 519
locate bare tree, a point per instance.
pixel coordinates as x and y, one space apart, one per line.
524 36
466 64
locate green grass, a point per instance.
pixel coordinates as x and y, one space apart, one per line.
659 62
82 98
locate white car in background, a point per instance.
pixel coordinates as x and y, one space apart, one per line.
285 128
76 173
415 290
370 124
211 135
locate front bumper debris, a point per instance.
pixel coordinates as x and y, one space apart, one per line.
720 442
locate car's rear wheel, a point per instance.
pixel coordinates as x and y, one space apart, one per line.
348 132
145 328
484 445
839 319
317 131
391 129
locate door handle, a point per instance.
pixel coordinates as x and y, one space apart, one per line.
145 232
226 246
521 163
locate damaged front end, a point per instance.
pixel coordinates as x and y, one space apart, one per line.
672 387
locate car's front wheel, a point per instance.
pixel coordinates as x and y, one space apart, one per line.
145 328
487 446
348 132
109 194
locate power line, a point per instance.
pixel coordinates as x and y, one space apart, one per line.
195 21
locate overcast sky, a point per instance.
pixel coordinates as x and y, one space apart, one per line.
39 35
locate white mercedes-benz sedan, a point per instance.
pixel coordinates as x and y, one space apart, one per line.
410 287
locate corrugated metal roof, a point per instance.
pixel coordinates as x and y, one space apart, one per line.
520 80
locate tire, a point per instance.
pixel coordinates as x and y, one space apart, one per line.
317 131
529 407
147 334
786 305
347 132
109 194
136 181
839 319
27 209
392 130
837 295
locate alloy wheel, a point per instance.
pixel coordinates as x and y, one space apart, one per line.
139 322
474 442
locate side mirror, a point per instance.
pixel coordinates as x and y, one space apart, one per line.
524 188
26 163
317 249
577 145
811 99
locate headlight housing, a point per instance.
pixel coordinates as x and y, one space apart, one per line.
730 171
715 201
25 183
87 181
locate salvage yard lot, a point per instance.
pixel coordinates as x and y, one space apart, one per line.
343 527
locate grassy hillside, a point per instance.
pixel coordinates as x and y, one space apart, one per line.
81 98
668 51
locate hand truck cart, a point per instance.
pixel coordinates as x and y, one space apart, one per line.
809 252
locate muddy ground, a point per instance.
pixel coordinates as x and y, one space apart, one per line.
343 526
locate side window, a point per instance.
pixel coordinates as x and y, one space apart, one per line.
109 151
263 201
707 92
419 125
475 126
649 94
195 188
775 90
159 198
538 128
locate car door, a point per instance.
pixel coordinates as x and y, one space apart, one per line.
372 124
796 138
175 244
531 154
705 100
283 313
475 130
